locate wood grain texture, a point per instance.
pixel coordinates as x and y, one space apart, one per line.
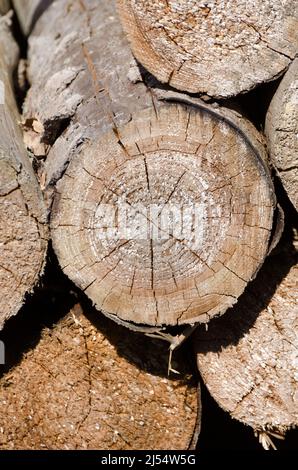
146 274
221 48
282 131
23 231
110 139
248 358
93 386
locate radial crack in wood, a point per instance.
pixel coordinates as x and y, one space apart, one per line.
249 358
168 226
29 11
162 211
221 47
282 131
23 231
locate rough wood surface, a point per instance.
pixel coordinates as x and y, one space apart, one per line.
4 6
91 386
282 131
22 212
28 12
89 106
220 47
248 359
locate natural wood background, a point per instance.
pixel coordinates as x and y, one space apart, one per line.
98 126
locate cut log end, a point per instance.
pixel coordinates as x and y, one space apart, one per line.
282 131
22 248
212 48
89 386
165 220
251 371
23 231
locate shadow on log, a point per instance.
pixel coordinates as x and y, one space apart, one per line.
29 11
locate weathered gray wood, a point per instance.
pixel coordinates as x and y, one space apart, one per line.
220 48
107 137
282 131
28 12
249 358
22 212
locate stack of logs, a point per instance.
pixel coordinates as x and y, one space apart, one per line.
132 118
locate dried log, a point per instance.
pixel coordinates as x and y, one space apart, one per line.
77 390
248 359
29 11
282 131
88 105
23 231
218 48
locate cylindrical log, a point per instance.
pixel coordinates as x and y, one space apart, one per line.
28 12
282 131
165 211
22 213
220 48
249 358
86 385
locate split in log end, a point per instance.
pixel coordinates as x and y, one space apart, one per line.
165 220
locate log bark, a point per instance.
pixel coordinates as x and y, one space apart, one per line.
251 369
216 48
87 385
23 231
137 149
29 11
282 131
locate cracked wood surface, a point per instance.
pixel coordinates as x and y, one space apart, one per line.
125 145
23 231
282 131
90 386
249 358
221 48
28 12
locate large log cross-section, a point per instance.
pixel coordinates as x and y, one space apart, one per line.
162 206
